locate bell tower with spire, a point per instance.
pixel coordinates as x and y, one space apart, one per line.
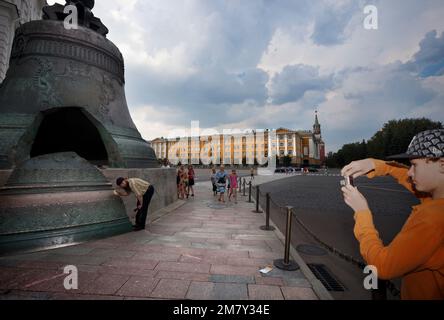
317 127
318 138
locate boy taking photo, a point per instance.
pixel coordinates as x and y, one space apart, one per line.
417 252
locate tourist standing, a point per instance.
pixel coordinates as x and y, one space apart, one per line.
213 181
233 186
191 176
221 182
182 182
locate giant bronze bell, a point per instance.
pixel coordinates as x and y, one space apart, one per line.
64 91
62 111
55 200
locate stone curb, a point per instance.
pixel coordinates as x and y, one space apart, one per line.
153 217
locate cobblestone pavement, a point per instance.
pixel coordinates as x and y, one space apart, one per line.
201 250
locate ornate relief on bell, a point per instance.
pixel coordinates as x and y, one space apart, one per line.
71 79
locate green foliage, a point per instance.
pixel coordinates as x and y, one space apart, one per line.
393 138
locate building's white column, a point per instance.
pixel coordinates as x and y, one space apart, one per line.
286 145
278 146
8 16
311 148
294 146
11 13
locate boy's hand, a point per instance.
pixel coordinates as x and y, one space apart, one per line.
358 168
354 199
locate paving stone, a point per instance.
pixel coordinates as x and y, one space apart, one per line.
67 296
298 282
234 270
21 279
206 245
55 282
265 255
182 275
171 289
25 295
253 237
112 253
272 281
138 287
107 284
10 263
249 248
184 267
217 291
231 278
74 260
276 272
157 256
295 293
138 264
125 270
264 292
206 235
248 262
228 253
46 265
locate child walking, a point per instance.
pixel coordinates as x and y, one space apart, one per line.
233 186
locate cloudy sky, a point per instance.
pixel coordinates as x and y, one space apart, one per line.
270 63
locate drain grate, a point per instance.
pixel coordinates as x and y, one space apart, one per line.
326 277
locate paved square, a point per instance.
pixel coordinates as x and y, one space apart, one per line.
197 251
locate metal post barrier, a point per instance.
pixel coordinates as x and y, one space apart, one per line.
249 192
267 226
257 201
239 183
381 292
244 188
286 263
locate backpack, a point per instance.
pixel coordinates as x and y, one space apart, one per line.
222 180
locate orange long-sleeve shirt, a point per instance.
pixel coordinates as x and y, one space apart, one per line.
417 252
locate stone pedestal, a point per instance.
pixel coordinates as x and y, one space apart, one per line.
57 199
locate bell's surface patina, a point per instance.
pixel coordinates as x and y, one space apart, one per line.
62 111
57 199
64 91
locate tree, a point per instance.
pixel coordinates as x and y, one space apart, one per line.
393 138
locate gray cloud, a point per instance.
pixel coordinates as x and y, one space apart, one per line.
331 23
429 60
294 81
199 60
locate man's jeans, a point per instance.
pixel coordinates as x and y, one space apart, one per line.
142 212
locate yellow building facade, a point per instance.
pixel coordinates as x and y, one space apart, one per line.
299 148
